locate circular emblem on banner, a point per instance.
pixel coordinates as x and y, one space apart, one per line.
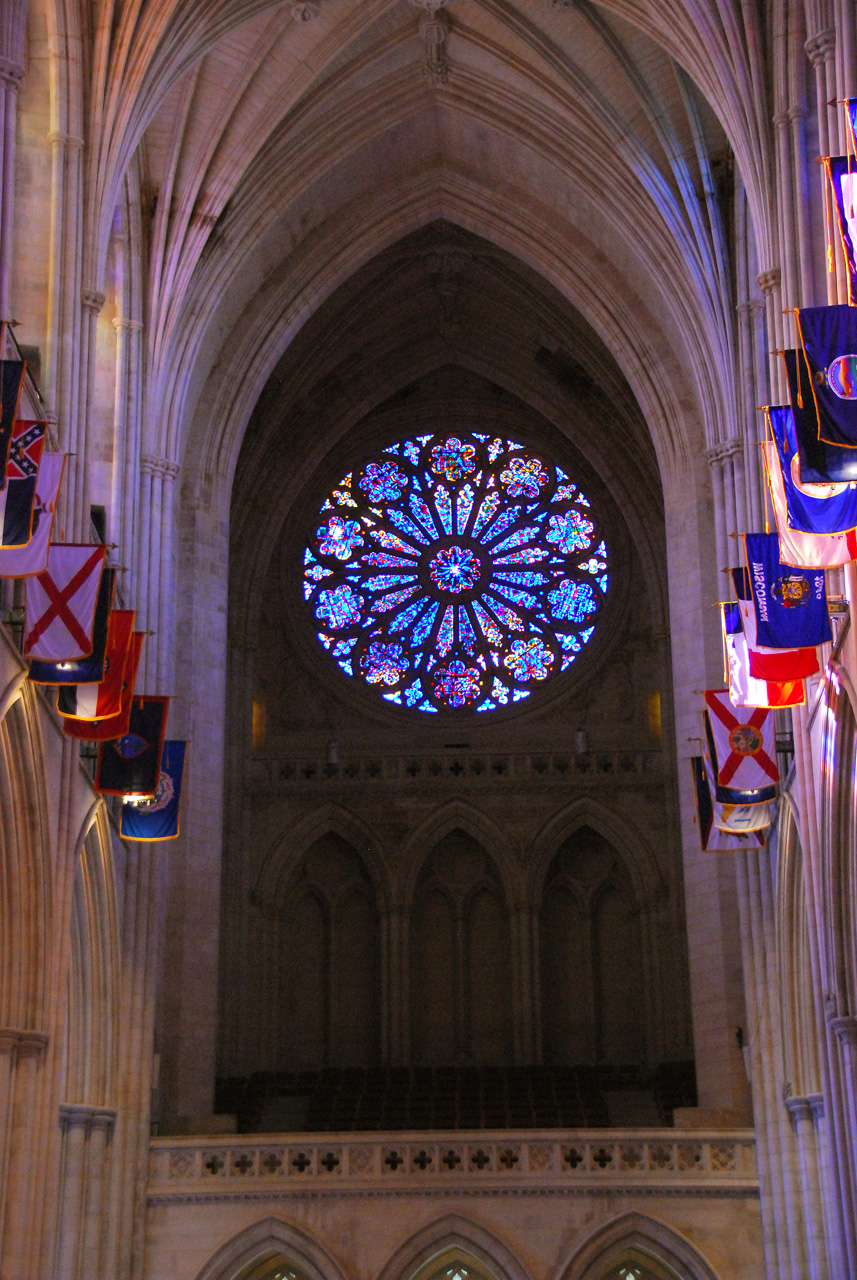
745 740
163 796
792 591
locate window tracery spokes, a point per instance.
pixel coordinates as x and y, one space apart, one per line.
455 571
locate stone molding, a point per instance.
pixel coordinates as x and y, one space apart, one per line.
642 1162
844 1028
32 1044
538 769
122 322
769 280
70 140
816 1101
11 73
152 465
822 46
719 453
92 299
74 1115
799 1108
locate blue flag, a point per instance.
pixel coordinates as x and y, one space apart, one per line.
158 818
851 113
808 513
790 604
819 462
842 174
829 350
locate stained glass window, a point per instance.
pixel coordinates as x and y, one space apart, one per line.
455 572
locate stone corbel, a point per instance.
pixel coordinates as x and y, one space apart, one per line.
434 29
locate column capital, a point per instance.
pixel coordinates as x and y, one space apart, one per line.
26 1043
70 140
153 465
769 280
844 1028
816 1101
718 453
75 1115
799 1108
11 73
92 299
780 120
821 46
122 322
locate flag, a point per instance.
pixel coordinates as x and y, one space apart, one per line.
842 176
820 463
828 338
22 468
61 603
744 689
11 381
766 663
21 562
807 550
743 750
711 838
90 669
158 818
130 765
112 726
851 120
812 508
790 603
98 701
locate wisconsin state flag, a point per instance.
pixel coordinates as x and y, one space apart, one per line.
22 469
61 603
131 765
112 726
98 701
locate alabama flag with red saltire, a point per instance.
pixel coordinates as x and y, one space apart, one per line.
745 752
61 603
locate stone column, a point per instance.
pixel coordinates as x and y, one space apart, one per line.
769 282
11 75
22 1055
159 475
801 1112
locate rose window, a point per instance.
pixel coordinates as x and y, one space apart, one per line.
454 572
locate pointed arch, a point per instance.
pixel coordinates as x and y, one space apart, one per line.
448 1236
305 1253
645 1236
646 876
285 854
458 815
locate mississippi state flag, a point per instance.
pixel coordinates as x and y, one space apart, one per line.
743 750
98 701
713 839
11 381
16 500
21 562
112 726
745 690
130 765
805 550
61 603
790 604
88 670
158 818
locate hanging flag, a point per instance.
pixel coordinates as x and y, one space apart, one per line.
158 818
851 120
22 562
743 750
61 603
745 690
102 700
820 463
11 381
828 348
766 663
806 550
842 176
713 839
790 603
22 469
88 670
130 765
812 508
112 726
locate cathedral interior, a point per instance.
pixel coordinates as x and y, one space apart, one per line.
407 357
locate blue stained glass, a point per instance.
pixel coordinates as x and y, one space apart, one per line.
463 507
432 526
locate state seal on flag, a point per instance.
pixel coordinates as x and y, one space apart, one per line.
792 591
164 793
745 740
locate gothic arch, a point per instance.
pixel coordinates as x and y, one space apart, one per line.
647 1237
458 815
302 1250
285 854
450 1235
649 884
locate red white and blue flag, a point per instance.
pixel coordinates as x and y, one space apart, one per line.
18 497
86 702
745 689
61 603
104 730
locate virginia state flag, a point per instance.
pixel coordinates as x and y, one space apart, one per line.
807 550
713 839
829 349
819 462
812 508
130 765
158 817
790 603
88 670
742 747
842 176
